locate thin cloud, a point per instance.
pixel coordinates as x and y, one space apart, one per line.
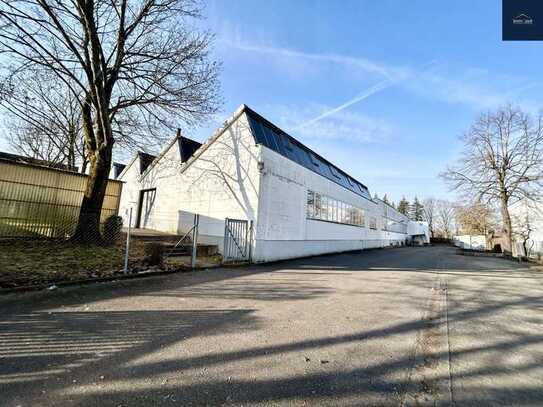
360 63
489 91
378 87
364 95
354 127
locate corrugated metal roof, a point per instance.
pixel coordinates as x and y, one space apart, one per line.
271 136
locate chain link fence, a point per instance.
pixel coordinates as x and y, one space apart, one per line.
98 253
44 238
106 252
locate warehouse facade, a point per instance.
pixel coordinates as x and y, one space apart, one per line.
299 203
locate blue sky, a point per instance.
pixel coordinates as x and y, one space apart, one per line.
394 83
381 88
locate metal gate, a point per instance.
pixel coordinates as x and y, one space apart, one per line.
237 240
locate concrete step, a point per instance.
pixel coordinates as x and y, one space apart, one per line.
166 239
186 249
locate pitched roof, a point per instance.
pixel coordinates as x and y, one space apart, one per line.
145 160
187 147
118 168
271 136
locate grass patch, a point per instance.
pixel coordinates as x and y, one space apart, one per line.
28 262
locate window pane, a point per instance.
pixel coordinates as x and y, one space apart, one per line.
317 206
310 204
324 206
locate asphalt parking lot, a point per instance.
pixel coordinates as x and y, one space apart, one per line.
407 326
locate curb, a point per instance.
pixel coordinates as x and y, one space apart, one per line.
69 283
88 281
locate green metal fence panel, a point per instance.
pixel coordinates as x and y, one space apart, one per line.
42 202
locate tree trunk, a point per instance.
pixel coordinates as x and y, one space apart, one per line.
507 231
88 226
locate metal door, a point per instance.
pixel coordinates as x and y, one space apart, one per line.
237 240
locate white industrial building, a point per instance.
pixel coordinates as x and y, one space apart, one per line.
298 203
527 219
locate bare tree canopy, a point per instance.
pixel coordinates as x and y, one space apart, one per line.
444 221
429 213
501 161
474 218
134 65
43 120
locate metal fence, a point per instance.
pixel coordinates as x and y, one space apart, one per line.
42 202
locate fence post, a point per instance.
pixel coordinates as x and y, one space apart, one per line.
194 240
250 241
224 249
125 270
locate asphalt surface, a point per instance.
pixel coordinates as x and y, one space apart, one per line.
408 326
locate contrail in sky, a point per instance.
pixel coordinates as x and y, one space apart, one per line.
364 95
378 87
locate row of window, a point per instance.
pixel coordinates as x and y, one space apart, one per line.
391 225
323 207
393 221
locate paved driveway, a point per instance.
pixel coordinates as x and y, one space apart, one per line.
389 327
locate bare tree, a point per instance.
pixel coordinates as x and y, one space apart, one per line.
132 64
444 218
429 213
43 119
474 218
501 161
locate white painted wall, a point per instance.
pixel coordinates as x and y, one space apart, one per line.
130 194
473 242
222 180
283 231
528 212
416 228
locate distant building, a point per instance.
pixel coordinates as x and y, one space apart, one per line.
527 219
300 203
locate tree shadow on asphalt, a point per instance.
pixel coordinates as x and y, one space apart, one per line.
37 345
89 344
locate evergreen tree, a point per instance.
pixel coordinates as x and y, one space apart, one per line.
416 210
403 206
385 199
